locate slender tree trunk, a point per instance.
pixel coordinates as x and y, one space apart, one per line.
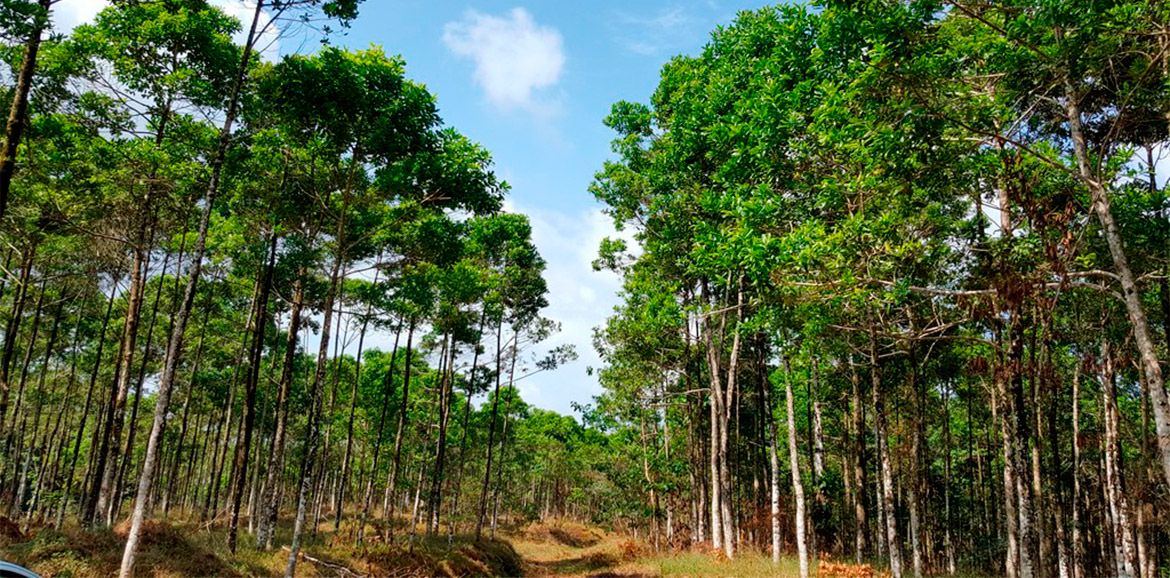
255 356
719 532
38 396
353 396
860 520
1139 324
403 408
649 479
797 483
178 459
128 451
18 111
503 451
269 495
466 425
1078 554
1124 550
314 427
445 393
948 542
13 441
66 404
107 463
101 342
1012 556
175 344
893 545
730 536
387 393
12 332
774 463
915 482
487 472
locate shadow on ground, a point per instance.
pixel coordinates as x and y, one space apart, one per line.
164 551
582 565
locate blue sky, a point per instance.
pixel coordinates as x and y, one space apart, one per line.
532 83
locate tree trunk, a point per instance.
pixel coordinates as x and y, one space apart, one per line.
13 441
183 428
353 395
1012 556
887 474
311 438
387 393
774 463
487 472
861 522
403 408
175 345
915 482
1139 324
797 484
103 497
18 111
128 452
101 342
269 494
948 543
1078 554
1124 551
255 356
445 393
466 424
12 332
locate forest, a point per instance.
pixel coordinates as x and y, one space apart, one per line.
895 300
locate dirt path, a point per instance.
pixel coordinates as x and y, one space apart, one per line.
562 556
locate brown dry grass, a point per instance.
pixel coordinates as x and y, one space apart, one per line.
190 550
570 550
554 548
167 552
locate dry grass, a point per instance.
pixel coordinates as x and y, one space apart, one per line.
615 556
552 549
563 532
746 564
566 549
71 552
188 550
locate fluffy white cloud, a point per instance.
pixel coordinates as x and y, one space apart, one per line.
515 58
579 298
69 13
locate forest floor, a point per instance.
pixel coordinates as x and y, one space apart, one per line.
541 550
568 550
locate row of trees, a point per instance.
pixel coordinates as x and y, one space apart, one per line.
236 290
901 292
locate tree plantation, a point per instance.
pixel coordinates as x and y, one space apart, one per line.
894 300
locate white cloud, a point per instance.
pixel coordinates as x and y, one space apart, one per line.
516 59
666 31
579 298
68 14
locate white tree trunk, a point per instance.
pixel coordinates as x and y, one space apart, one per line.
1124 550
797 485
1155 386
